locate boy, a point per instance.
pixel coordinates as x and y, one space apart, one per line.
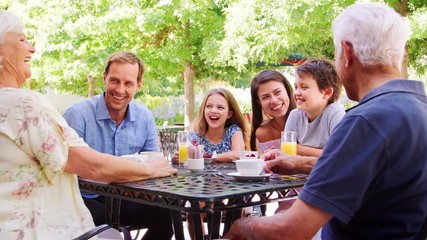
317 89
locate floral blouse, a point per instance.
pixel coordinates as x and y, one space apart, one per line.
223 146
38 200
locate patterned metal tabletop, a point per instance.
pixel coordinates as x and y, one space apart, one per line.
211 186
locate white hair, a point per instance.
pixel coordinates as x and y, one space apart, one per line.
377 32
9 23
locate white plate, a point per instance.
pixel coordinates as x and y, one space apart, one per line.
237 176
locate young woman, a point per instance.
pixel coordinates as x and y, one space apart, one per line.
272 102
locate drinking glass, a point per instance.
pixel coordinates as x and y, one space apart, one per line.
183 143
289 142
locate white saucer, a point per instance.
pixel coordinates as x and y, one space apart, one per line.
237 176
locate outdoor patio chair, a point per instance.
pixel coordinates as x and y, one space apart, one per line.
98 230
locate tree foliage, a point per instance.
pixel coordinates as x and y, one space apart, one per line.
272 30
417 45
222 39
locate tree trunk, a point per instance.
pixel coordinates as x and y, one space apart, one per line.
404 67
91 81
402 9
189 93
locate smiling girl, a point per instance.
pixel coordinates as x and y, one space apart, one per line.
220 126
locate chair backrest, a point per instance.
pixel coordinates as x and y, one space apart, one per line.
99 230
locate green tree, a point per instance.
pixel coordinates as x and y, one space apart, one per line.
273 30
174 38
180 38
185 42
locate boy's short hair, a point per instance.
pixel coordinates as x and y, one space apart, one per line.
325 74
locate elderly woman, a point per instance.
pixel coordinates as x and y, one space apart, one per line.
41 156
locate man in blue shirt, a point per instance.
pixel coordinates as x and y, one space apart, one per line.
111 123
370 181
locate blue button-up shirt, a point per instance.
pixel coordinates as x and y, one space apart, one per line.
91 120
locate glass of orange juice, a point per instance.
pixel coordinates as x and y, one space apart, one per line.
289 142
183 143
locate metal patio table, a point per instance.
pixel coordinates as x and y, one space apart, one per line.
184 192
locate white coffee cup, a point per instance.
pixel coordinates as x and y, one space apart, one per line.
249 167
196 164
136 157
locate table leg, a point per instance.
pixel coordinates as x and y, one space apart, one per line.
112 210
215 223
230 217
177 225
196 221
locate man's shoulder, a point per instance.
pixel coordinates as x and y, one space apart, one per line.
84 107
139 106
86 103
389 101
139 109
393 107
